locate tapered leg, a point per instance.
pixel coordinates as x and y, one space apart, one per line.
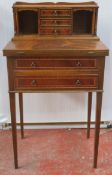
13 121
89 113
97 126
21 114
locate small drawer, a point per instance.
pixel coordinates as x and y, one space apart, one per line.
56 22
54 63
82 82
56 31
55 13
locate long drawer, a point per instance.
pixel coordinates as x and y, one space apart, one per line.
55 13
76 82
54 63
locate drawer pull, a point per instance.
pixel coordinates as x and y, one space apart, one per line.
77 83
55 22
78 64
34 83
55 13
55 31
33 64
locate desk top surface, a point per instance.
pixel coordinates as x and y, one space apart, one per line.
53 4
56 46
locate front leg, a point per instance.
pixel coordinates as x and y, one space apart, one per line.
14 131
21 114
97 126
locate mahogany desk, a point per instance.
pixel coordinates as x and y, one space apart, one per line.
55 49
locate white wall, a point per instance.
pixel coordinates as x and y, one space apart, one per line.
56 107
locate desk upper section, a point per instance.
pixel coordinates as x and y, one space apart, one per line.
56 29
55 18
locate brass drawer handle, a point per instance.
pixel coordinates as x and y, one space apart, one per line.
77 83
33 64
34 83
55 13
78 64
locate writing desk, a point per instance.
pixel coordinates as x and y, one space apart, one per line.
44 63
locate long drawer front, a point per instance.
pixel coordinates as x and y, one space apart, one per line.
55 30
55 63
55 13
55 22
73 82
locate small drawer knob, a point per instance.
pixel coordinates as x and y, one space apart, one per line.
78 64
33 64
34 83
77 83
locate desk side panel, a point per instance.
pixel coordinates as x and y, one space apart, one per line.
10 68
